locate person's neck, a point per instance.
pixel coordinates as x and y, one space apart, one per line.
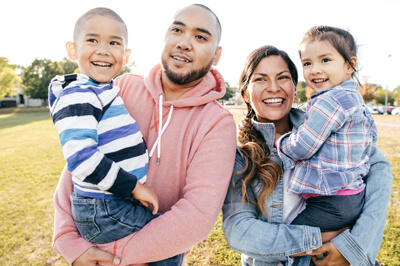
283 126
173 91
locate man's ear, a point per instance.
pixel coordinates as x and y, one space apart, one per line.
217 55
71 50
126 56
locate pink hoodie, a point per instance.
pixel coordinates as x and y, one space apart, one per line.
197 154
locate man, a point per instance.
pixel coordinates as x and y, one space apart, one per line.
192 140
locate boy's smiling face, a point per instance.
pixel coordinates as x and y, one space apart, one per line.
100 48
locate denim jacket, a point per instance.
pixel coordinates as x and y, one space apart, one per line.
266 241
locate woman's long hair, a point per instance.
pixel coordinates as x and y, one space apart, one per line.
257 158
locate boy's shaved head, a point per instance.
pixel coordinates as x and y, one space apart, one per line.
99 11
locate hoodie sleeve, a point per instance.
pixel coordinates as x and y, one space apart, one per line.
66 239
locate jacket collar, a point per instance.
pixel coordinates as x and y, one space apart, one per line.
267 130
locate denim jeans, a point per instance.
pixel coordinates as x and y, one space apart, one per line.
331 213
106 220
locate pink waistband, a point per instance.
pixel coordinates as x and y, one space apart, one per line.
342 192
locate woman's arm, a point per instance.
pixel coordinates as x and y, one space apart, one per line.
361 244
263 240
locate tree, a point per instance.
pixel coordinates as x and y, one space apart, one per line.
9 80
229 93
37 77
126 69
301 92
381 97
69 66
368 91
396 95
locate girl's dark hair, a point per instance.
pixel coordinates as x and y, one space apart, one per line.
258 164
340 39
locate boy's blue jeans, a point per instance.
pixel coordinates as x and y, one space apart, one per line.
106 220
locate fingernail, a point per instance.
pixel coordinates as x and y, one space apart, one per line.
116 261
309 252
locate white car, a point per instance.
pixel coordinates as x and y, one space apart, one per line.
396 111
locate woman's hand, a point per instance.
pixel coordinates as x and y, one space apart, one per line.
332 256
94 255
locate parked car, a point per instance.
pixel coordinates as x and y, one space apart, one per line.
372 110
396 111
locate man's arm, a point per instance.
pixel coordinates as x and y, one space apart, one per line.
66 239
188 222
191 218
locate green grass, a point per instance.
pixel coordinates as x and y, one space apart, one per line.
31 162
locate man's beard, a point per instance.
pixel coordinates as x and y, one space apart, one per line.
183 79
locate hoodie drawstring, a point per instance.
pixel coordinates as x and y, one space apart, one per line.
161 129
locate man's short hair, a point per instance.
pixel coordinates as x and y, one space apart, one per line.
218 26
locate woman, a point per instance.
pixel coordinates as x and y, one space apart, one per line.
255 222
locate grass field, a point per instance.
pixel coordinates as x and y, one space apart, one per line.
31 162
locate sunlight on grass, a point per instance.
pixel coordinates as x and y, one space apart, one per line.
31 162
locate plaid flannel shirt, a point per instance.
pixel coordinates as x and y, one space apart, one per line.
330 150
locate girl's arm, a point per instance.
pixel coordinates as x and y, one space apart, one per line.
260 239
324 117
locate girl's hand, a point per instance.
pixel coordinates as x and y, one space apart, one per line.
277 136
93 255
146 196
332 256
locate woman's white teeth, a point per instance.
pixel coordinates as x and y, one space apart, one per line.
181 59
274 101
318 80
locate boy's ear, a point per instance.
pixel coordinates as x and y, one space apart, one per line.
126 56
71 50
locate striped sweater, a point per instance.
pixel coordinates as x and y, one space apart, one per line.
101 142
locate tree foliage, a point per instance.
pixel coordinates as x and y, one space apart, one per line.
381 97
38 75
9 79
301 92
229 93
69 66
396 95
368 91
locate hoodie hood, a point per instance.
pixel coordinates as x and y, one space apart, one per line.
211 88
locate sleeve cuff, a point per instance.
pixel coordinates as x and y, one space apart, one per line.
350 249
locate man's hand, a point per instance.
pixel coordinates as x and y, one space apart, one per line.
332 256
93 255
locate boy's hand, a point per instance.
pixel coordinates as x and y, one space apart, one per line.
146 195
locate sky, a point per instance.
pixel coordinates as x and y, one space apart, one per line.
40 29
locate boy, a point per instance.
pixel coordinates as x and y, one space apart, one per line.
102 144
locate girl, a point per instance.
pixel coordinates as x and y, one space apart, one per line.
330 151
